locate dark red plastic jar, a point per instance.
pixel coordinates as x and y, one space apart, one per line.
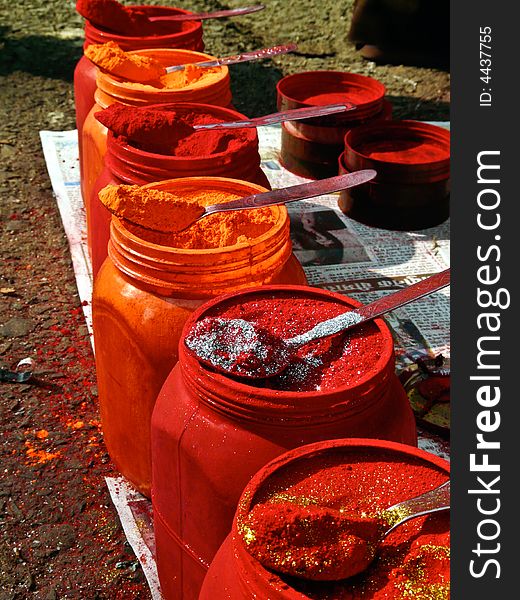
235 575
127 164
211 433
187 35
311 148
412 188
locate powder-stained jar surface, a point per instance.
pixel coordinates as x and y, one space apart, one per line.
324 364
214 231
413 561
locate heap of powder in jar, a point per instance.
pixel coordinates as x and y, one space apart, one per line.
141 71
171 131
413 561
125 20
324 364
148 212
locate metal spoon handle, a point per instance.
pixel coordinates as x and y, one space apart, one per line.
374 309
237 58
295 192
218 14
294 114
429 502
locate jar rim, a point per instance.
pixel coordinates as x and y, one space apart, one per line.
112 139
280 213
190 27
188 362
107 82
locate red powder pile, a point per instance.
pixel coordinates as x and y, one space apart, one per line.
334 98
170 132
324 364
412 561
125 20
310 542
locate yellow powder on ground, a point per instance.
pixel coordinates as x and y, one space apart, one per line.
214 231
110 57
151 209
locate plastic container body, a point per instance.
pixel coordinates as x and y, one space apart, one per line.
210 434
412 188
187 36
235 575
311 148
111 89
142 296
127 164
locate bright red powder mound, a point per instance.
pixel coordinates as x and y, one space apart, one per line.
335 98
170 132
125 20
413 561
324 364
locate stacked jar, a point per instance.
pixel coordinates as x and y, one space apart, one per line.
127 163
411 190
187 35
145 291
212 89
311 148
212 432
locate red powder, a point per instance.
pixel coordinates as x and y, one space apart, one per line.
324 364
309 541
125 20
411 562
408 149
153 130
170 132
335 98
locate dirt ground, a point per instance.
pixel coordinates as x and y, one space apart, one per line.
59 533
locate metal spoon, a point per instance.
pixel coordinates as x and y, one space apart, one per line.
237 347
217 14
96 16
144 73
352 541
237 58
294 114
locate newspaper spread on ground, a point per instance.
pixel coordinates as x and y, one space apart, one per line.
336 253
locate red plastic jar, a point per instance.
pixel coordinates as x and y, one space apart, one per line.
187 35
127 164
235 575
412 188
311 148
142 296
110 89
211 433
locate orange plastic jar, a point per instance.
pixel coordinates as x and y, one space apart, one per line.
403 569
111 89
143 294
127 164
211 433
187 35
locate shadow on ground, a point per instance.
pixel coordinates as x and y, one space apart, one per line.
408 107
44 56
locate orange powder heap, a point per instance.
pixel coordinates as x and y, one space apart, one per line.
110 57
214 231
189 76
151 209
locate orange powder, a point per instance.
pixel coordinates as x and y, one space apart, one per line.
151 209
219 230
110 57
190 75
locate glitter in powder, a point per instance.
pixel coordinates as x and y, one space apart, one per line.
235 346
